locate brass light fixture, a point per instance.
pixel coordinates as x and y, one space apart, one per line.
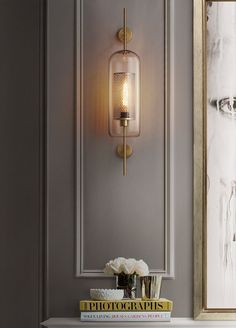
124 94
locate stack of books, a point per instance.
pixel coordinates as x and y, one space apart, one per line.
126 310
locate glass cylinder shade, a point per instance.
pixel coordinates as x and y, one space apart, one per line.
124 93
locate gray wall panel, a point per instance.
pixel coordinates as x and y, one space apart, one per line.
64 289
61 178
180 290
130 208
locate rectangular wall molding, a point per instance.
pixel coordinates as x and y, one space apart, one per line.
167 270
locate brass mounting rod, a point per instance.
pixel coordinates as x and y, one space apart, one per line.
125 29
124 151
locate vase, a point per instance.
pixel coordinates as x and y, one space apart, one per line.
151 286
127 282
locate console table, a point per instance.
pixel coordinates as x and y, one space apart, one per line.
175 322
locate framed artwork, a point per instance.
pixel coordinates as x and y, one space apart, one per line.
214 160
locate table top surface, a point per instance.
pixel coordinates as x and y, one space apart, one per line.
175 322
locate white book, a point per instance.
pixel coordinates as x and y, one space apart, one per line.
125 316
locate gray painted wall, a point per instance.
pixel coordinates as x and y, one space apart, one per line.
64 290
21 113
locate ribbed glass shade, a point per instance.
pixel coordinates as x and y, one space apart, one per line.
124 93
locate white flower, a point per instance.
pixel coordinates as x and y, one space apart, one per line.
141 268
117 264
127 266
114 266
108 270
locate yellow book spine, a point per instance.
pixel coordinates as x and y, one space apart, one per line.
126 305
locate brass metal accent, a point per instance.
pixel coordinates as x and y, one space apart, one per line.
198 280
125 29
124 121
124 150
201 312
124 34
129 35
120 151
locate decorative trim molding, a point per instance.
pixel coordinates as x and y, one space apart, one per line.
198 72
175 322
168 271
43 217
169 140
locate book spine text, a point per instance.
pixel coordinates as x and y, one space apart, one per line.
125 316
125 306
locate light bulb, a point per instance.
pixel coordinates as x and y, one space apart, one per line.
125 96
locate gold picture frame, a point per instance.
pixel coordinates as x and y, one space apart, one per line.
201 309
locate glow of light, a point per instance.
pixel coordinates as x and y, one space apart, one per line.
125 96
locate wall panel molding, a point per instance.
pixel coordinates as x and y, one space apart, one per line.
169 154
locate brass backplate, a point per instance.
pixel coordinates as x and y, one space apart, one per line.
120 34
120 151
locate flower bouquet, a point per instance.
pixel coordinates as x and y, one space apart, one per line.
126 271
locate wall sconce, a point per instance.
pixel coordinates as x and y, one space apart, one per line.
124 94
